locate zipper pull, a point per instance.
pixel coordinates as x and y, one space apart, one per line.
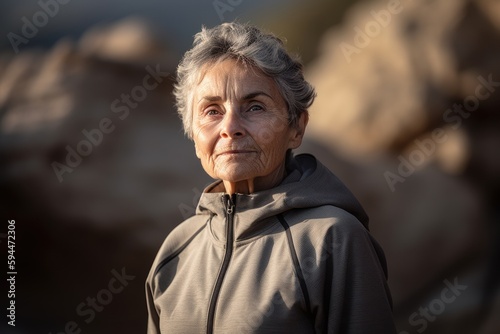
229 206
228 201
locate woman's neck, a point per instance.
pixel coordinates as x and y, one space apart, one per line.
256 184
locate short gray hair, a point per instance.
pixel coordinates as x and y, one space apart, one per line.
249 45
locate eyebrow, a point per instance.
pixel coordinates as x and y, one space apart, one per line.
255 94
247 97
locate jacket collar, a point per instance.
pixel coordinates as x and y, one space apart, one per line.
307 184
251 211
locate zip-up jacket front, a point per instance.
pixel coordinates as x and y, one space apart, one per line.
297 258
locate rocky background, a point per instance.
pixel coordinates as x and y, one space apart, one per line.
95 169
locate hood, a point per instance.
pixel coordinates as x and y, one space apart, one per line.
308 184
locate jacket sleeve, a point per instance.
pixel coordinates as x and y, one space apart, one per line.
177 238
153 317
349 292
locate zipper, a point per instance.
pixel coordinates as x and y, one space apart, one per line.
228 202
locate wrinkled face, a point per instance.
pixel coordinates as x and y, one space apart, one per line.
240 123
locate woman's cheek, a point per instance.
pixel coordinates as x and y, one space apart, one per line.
267 130
205 138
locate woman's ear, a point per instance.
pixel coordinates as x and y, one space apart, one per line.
298 130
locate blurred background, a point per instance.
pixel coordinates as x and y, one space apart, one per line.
95 169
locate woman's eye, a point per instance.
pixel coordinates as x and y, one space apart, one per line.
212 112
255 108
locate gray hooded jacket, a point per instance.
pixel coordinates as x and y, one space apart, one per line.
297 258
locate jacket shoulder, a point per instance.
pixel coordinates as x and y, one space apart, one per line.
324 219
331 231
328 230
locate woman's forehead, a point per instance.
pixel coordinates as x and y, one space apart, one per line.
231 77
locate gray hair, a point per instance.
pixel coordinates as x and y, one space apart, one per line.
249 45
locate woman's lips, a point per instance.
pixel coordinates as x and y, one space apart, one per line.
231 152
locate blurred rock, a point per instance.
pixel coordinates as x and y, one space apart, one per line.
379 87
131 40
50 100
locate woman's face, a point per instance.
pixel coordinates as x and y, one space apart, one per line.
240 123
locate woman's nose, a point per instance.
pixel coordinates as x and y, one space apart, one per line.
232 126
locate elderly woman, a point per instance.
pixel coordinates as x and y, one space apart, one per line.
278 244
